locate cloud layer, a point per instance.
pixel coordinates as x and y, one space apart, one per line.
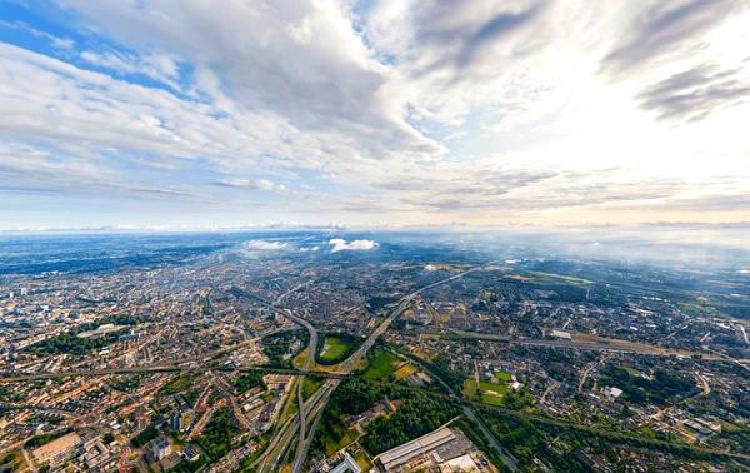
374 112
339 244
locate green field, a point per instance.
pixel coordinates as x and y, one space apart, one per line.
178 384
562 277
334 350
310 385
489 393
503 376
380 366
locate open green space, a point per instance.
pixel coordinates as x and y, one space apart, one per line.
664 386
43 439
496 394
418 413
562 277
503 376
182 382
380 365
126 383
334 348
529 437
278 346
217 437
488 393
249 380
310 385
144 436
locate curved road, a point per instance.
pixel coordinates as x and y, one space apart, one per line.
355 357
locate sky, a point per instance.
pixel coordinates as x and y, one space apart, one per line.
205 114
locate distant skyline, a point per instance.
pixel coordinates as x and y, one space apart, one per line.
199 114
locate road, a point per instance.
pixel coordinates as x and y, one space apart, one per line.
301 418
744 333
312 346
6 377
705 386
358 355
505 456
611 345
228 392
283 437
314 407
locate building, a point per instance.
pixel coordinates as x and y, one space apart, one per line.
398 458
462 464
612 393
190 453
57 451
348 464
159 448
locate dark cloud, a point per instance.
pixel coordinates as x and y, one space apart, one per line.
667 25
458 36
693 94
498 26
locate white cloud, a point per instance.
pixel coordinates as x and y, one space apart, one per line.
264 245
254 184
339 244
392 111
160 67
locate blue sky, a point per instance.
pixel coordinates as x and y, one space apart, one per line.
196 114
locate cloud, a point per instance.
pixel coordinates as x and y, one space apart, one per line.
339 244
160 67
63 44
380 111
263 245
696 92
665 26
254 184
327 83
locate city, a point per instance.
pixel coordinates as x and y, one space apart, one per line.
247 356
374 236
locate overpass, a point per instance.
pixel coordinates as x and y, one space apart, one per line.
12 377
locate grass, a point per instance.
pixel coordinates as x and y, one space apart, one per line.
362 460
470 388
177 385
380 367
311 384
562 277
345 436
291 406
300 360
503 376
404 371
492 398
334 350
489 393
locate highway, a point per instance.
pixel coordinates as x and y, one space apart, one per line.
605 345
505 456
356 357
285 434
314 407
312 346
6 377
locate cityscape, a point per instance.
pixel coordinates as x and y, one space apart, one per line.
374 236
281 351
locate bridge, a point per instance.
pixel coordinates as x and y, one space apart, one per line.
13 377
